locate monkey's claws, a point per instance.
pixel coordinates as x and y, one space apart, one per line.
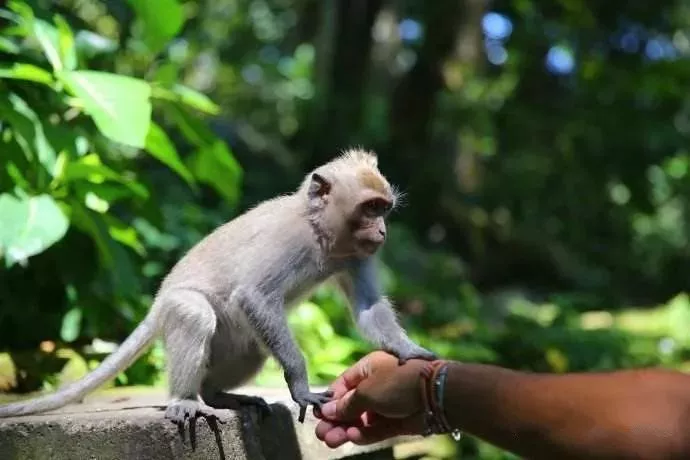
315 399
179 412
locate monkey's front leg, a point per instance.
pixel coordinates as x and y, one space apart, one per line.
374 314
379 324
268 318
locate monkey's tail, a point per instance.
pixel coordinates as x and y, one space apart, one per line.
138 341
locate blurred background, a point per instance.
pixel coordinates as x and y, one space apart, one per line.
542 147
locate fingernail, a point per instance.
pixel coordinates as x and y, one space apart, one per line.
328 409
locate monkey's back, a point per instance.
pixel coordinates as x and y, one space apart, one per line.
257 248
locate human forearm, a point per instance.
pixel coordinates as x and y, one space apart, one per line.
634 414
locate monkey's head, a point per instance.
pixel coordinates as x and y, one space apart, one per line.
349 201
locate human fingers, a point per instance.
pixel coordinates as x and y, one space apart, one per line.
379 431
335 435
349 407
359 371
331 434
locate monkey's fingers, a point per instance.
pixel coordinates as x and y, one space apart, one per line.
418 353
315 399
302 413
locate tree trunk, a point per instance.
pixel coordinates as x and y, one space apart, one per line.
343 58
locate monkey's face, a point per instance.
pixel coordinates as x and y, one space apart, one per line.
368 225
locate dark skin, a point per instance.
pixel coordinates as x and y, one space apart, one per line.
635 414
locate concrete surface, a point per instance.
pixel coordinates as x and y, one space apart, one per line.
121 425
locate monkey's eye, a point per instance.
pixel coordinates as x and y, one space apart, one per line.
376 207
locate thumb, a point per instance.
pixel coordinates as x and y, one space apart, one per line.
347 408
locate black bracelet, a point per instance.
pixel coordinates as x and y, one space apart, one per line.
439 390
433 386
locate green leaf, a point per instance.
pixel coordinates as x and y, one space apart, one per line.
8 46
124 234
166 74
29 72
159 145
65 39
196 99
189 97
28 226
90 168
216 166
48 38
120 270
159 27
71 325
28 131
90 44
120 106
17 167
191 127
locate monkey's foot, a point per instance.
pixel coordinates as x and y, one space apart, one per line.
315 399
233 401
186 409
414 352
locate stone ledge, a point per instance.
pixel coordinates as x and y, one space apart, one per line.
119 425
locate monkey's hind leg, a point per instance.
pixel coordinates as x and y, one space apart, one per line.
235 401
189 325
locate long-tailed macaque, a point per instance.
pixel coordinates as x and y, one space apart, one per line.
222 308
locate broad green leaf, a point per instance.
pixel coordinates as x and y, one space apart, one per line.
68 52
28 226
159 28
159 145
189 97
30 72
71 325
119 105
216 166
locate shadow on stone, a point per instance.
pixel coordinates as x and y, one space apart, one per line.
277 437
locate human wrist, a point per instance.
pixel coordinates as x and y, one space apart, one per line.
433 384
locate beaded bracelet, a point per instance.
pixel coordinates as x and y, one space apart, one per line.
434 375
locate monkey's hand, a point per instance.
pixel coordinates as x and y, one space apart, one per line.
410 350
307 398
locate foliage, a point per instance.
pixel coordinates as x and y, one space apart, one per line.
541 146
75 179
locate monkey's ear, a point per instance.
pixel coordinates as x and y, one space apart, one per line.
319 186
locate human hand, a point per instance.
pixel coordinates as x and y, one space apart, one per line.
375 399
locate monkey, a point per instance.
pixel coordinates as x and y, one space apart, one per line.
222 309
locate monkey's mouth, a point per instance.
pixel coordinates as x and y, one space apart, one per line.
370 247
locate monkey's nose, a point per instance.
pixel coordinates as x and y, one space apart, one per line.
382 233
